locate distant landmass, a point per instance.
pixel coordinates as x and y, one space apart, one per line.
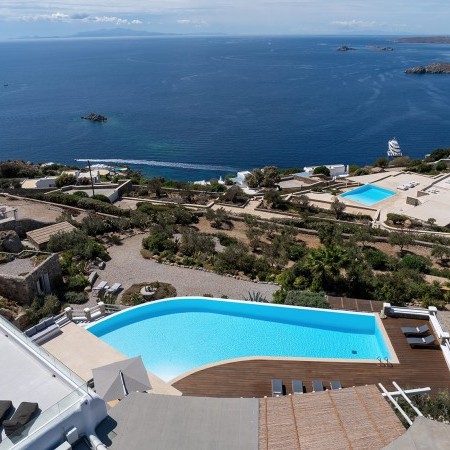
439 67
117 32
425 40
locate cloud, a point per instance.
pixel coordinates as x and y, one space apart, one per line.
357 24
77 18
195 22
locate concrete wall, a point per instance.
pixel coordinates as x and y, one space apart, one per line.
24 289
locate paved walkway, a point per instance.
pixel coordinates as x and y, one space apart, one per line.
128 267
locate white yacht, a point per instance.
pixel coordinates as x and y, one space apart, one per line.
394 148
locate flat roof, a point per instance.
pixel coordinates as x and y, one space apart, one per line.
191 423
24 378
43 235
18 267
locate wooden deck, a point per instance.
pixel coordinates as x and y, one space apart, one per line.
419 367
355 304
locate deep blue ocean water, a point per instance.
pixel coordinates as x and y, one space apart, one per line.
199 107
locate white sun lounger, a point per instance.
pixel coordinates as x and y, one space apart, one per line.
403 187
114 288
100 286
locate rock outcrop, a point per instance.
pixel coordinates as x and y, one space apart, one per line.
379 48
10 242
345 48
95 117
439 67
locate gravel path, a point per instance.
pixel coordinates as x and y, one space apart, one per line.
128 267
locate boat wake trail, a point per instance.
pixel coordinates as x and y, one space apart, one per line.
144 162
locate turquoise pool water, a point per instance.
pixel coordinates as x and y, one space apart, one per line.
368 194
178 335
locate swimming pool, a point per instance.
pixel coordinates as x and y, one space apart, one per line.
368 194
179 335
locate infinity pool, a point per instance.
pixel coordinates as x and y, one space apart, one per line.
178 335
368 194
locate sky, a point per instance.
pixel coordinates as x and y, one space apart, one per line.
62 18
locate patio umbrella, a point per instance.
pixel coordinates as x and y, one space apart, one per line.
114 381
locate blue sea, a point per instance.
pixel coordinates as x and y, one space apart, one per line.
200 107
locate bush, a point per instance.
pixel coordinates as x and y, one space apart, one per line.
307 298
101 198
322 170
416 262
436 407
65 179
80 194
396 219
377 259
77 283
226 240
76 298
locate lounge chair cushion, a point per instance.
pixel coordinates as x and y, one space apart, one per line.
277 387
5 406
297 387
31 331
21 417
317 385
40 326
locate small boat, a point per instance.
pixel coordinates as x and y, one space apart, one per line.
394 149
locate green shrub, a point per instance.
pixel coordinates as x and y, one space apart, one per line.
377 259
77 283
396 219
415 262
307 298
322 170
101 198
436 407
226 240
75 297
80 194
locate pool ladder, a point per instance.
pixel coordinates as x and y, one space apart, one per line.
387 363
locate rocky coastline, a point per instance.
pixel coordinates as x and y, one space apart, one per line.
439 67
95 117
345 48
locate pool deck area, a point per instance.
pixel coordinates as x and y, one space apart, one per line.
418 367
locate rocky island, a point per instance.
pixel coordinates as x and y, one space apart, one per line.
379 48
439 67
425 40
95 118
345 48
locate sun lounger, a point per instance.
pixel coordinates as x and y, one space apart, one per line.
277 387
100 286
402 187
297 386
411 331
114 289
23 414
335 384
5 406
420 341
317 385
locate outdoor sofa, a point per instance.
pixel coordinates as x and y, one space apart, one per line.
23 414
43 331
5 406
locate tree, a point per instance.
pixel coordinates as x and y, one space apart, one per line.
338 207
330 234
254 237
322 170
325 264
273 198
362 235
65 179
271 176
255 178
441 252
303 202
382 162
154 185
194 243
402 239
440 166
431 221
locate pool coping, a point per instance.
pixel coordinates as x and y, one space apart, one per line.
393 360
